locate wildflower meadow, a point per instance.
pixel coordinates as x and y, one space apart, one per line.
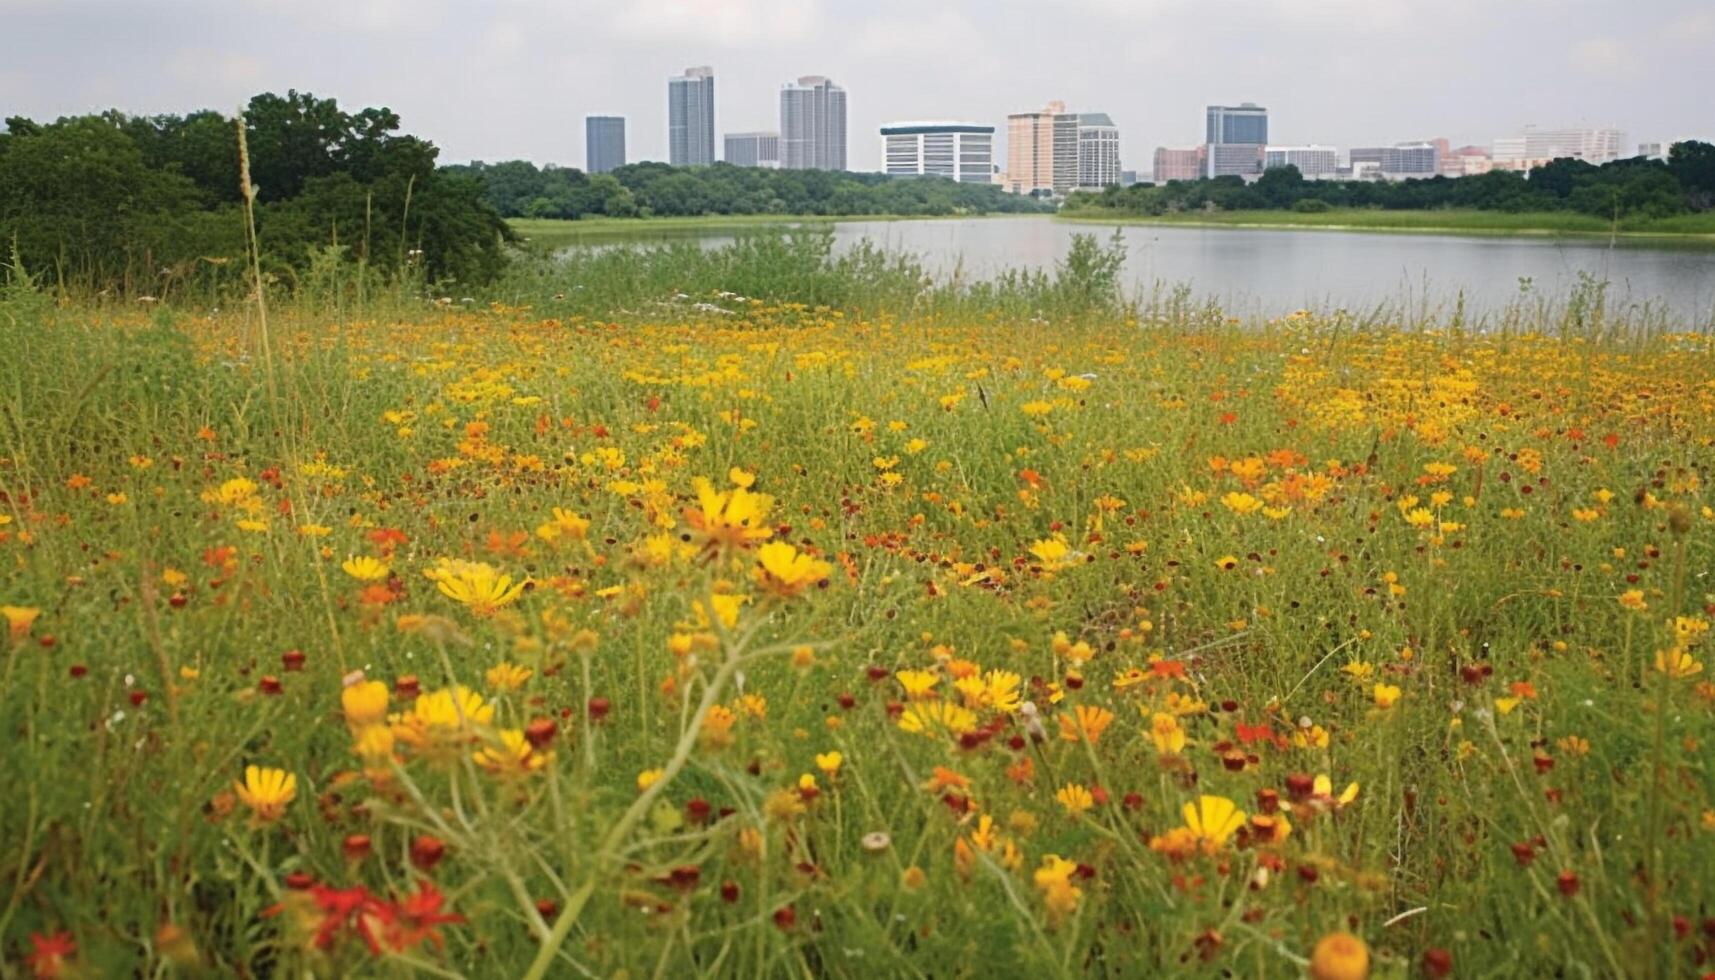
726 636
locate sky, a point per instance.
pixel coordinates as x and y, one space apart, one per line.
513 79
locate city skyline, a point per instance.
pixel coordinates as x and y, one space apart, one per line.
1372 73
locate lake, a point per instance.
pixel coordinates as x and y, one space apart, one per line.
1274 271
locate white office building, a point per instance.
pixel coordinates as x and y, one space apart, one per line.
1311 161
1532 145
961 151
1098 151
812 125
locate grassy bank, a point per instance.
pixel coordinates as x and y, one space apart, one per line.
1698 228
552 233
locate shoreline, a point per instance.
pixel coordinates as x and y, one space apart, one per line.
1402 225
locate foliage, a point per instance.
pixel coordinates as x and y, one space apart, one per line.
739 635
1636 188
150 204
519 189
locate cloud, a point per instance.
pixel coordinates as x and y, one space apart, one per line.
728 23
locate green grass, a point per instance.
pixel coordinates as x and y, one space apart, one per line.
1433 562
554 233
1438 221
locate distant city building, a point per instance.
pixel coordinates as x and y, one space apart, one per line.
1466 161
1396 162
1030 146
1234 159
691 117
752 149
1534 147
1098 150
1171 164
961 151
1246 122
1055 151
1236 137
812 125
1311 161
1128 178
1654 151
604 143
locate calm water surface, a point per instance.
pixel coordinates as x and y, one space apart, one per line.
1272 271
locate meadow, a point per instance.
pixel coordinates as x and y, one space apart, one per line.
759 611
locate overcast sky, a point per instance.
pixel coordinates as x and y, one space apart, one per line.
505 79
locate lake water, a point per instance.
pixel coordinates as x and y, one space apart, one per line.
1274 271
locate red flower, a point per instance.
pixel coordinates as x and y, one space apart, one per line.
415 918
49 953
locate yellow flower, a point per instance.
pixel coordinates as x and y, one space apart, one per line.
648 778
1075 798
365 703
1086 722
566 524
1677 663
479 586
514 756
1241 503
19 619
829 762
729 520
1633 599
1054 878
785 571
507 676
442 719
266 792
1167 733
1323 789
933 717
1051 552
365 569
917 683
1037 409
1226 563
1385 695
1213 819
1340 956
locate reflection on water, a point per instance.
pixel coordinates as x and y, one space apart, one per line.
1271 271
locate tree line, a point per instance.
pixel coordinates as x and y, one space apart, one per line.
140 203
1638 187
520 189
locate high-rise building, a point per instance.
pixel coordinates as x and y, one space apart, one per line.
1533 147
1246 122
691 117
1057 151
1311 161
961 151
1030 156
1236 137
752 149
812 125
1098 150
1171 164
1653 150
604 143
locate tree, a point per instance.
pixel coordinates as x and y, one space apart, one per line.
1692 164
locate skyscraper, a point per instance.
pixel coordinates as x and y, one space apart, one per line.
1098 150
961 151
1030 149
1236 136
752 149
812 125
691 117
1246 122
604 143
